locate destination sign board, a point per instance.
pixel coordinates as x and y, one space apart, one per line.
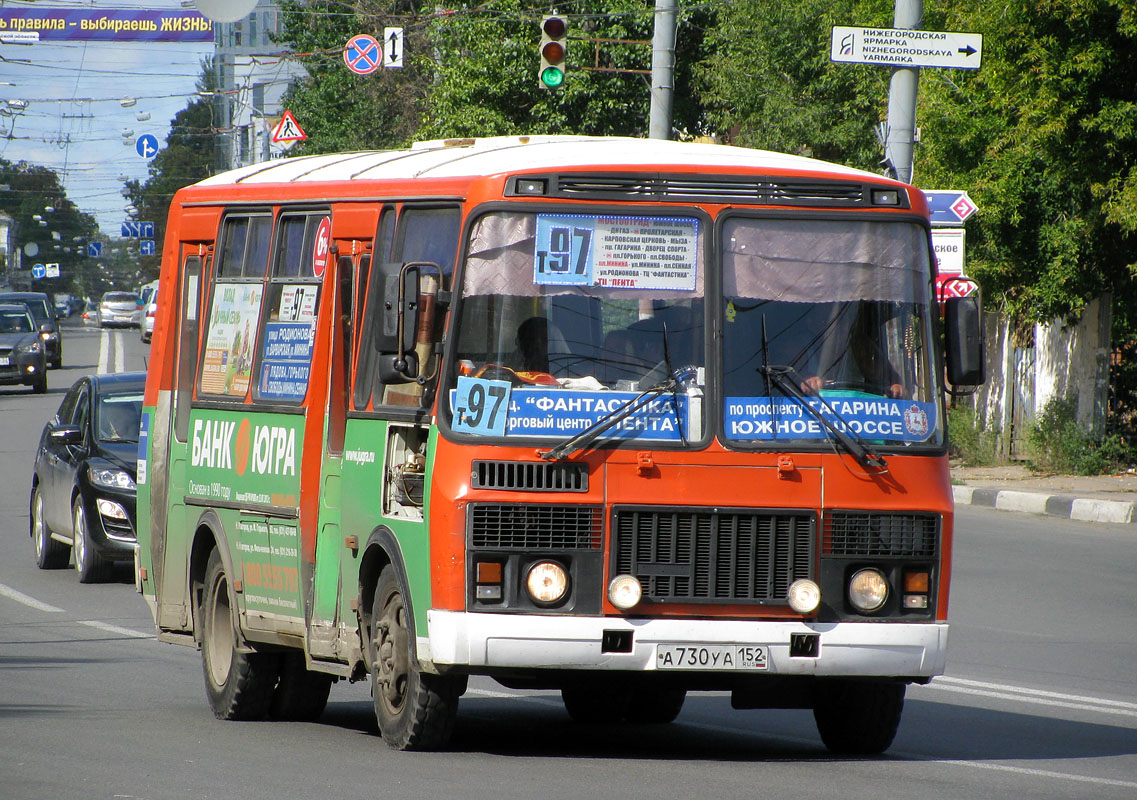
901 47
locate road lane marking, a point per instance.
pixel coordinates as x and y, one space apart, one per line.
28 600
104 351
1023 694
1032 772
119 354
106 627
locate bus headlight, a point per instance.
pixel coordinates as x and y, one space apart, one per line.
547 582
804 596
868 589
625 592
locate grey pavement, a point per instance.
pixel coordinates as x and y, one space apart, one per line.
1013 487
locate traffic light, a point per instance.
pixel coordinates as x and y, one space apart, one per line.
553 45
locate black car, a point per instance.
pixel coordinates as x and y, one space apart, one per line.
83 492
23 358
43 312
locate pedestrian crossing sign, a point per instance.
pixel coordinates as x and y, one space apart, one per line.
288 130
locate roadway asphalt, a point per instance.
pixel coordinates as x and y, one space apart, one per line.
1097 498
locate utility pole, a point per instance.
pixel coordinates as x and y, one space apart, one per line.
662 69
901 128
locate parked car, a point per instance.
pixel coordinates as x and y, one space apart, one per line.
83 490
43 312
23 358
147 294
148 318
90 313
118 308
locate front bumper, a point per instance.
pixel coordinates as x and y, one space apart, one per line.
522 641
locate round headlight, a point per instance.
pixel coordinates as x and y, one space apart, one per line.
624 591
868 589
804 596
547 582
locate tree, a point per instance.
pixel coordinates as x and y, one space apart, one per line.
188 157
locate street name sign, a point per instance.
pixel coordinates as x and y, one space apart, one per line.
901 47
948 244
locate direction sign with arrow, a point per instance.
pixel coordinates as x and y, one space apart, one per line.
392 47
901 47
949 206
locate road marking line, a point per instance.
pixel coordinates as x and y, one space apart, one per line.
1035 696
28 600
108 628
1037 692
1036 773
104 351
119 354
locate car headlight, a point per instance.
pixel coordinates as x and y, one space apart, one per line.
547 582
49 336
804 596
110 478
34 347
868 589
625 592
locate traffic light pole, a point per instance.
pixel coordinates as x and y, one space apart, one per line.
662 70
901 128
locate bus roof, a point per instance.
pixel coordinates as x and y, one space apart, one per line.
453 158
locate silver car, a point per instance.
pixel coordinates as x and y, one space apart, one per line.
119 309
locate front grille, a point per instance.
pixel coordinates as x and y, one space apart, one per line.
526 526
869 533
530 476
712 555
720 189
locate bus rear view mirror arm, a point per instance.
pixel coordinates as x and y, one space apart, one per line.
964 346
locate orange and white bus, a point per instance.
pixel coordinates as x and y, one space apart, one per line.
618 418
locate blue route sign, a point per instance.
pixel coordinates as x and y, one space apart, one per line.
95 249
131 229
949 206
146 230
147 145
39 271
146 247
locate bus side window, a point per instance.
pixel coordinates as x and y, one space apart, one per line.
423 234
187 339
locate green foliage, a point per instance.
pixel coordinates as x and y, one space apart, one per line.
1059 444
967 443
767 80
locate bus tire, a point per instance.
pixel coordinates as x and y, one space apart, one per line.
50 554
300 695
238 685
595 701
858 717
655 705
415 710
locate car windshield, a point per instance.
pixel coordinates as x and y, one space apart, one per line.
120 297
15 322
119 417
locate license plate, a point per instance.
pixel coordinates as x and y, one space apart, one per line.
5 361
711 656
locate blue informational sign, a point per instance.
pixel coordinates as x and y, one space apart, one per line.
130 229
146 230
286 360
95 249
949 206
874 418
39 271
146 247
559 413
146 145
563 254
480 406
143 439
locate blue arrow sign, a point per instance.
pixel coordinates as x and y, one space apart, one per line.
39 271
95 249
130 229
147 145
146 230
146 247
949 206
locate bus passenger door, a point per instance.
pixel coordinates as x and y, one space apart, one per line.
172 536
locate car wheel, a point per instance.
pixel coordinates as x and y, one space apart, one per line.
50 554
92 567
415 710
238 683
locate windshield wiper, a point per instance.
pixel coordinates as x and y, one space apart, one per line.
617 415
852 441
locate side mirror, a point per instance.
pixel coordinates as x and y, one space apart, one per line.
71 435
965 350
395 331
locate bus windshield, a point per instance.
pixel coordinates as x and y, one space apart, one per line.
574 315
839 309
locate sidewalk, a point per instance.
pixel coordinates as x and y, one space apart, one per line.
1099 498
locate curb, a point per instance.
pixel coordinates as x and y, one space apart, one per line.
1056 505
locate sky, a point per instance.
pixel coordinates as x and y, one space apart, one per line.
74 118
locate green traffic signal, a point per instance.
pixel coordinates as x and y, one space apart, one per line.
554 30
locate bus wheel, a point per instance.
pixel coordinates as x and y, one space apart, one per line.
595 701
239 685
858 717
656 705
301 695
415 710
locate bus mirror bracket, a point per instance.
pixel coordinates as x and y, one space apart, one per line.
964 344
395 333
